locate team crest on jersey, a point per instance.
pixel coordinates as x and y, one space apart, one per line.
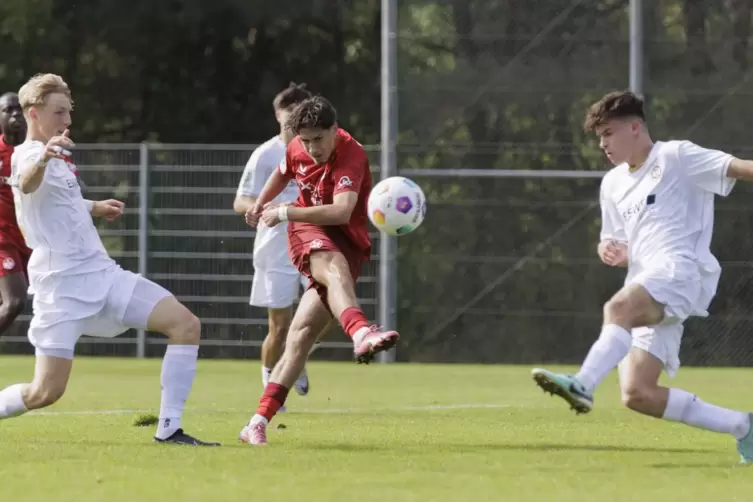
9 264
655 172
344 182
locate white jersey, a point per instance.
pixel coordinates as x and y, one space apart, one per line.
55 220
664 211
270 244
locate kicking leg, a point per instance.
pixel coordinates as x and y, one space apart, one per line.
152 307
332 270
51 373
632 306
311 318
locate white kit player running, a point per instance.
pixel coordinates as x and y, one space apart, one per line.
276 281
657 220
78 289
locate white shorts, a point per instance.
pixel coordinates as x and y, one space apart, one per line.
102 304
678 288
684 292
661 341
275 290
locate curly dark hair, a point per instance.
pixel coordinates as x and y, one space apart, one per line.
313 113
615 105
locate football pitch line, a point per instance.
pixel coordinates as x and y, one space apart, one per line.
325 411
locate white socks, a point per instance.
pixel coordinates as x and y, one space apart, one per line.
178 372
265 374
606 353
12 401
684 407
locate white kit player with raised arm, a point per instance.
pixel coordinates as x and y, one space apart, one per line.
78 289
657 219
276 281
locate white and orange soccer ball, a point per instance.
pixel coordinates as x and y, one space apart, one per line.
396 206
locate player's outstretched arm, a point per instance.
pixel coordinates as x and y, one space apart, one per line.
337 213
740 169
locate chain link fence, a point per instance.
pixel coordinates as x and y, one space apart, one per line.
491 98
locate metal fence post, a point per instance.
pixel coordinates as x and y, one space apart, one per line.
388 244
143 230
637 53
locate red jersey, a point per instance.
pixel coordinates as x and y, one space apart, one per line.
347 170
9 230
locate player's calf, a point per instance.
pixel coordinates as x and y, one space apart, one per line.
639 376
183 329
274 343
50 381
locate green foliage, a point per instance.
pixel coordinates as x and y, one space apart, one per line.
482 84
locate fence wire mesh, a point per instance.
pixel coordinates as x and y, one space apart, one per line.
503 269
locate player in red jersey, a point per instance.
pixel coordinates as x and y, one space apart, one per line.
14 255
328 241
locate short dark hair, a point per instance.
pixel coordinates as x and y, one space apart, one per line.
615 105
314 113
292 95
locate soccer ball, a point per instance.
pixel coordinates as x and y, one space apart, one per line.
396 206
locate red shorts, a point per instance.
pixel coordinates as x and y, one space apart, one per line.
13 258
304 239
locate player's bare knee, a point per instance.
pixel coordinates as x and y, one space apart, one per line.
630 310
186 330
618 310
637 396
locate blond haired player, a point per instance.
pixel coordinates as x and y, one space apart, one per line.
78 288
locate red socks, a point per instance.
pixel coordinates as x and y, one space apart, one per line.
352 319
272 400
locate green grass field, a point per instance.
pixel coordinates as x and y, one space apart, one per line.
379 432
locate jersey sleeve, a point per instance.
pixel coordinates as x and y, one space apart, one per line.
706 168
23 159
612 227
286 165
349 172
254 177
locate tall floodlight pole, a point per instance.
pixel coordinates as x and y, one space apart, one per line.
388 161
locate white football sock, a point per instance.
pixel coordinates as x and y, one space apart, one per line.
178 372
265 374
12 401
685 407
256 419
605 354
